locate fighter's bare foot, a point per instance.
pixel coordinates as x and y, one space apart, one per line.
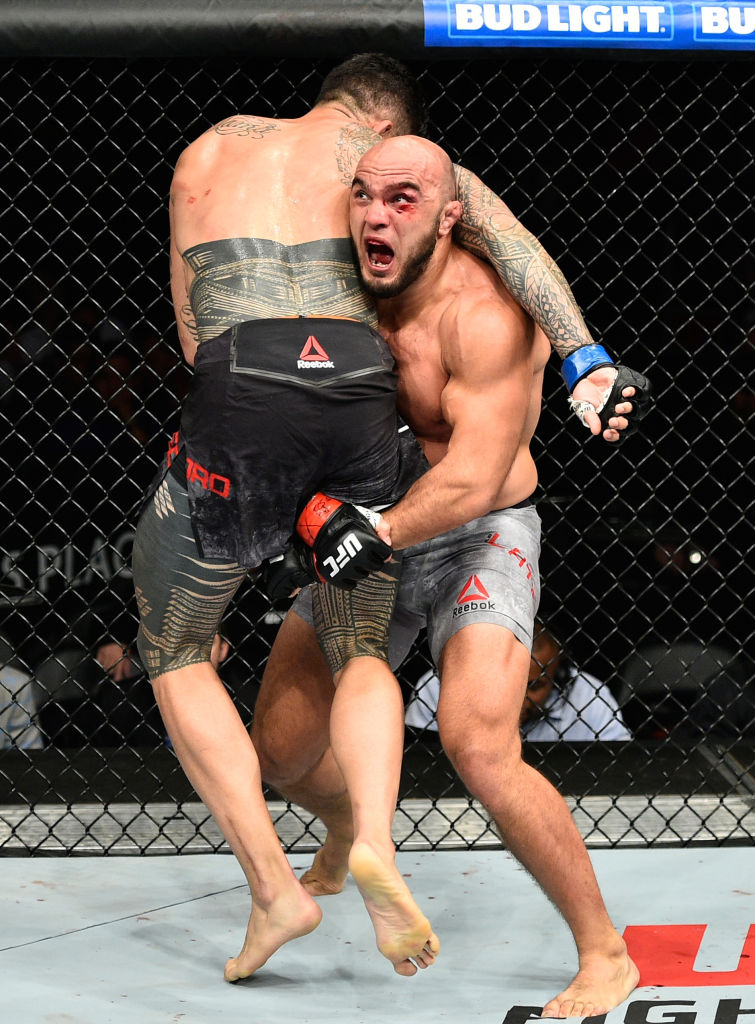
600 985
403 932
288 917
327 876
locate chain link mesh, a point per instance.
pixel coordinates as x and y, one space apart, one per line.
633 175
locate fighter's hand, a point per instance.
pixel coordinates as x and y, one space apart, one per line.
343 539
611 400
283 576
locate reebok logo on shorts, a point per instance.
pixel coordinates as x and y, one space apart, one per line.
473 598
313 356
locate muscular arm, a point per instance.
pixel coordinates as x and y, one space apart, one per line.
485 402
489 229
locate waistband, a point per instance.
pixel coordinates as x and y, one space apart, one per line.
308 352
524 503
217 349
221 348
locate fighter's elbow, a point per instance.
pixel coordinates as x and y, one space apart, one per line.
189 349
476 501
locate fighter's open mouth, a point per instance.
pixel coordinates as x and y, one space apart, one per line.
379 256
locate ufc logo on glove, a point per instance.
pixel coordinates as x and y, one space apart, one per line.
346 551
342 540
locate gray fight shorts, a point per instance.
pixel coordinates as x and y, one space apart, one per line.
485 571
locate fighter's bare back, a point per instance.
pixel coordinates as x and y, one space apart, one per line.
259 222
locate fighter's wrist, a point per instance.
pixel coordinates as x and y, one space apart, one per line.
583 361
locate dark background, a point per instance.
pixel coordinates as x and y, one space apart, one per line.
637 177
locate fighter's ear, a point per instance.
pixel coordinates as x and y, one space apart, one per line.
384 128
451 213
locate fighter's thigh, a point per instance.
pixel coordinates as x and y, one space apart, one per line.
356 623
181 597
483 671
292 711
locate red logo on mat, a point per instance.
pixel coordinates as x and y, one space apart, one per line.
313 350
473 590
666 954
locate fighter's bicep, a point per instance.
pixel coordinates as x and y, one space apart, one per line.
488 349
491 411
489 376
484 213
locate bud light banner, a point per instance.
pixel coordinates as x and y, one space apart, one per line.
583 24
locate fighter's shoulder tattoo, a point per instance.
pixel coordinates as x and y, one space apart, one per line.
250 127
353 142
530 274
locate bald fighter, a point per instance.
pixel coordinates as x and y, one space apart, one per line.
470 364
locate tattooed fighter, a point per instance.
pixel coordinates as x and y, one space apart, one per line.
466 355
293 392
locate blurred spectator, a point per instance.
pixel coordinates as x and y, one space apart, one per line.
18 710
562 702
95 690
125 698
121 663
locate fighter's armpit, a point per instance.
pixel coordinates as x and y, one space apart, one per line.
353 142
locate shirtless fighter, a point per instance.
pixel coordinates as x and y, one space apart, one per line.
272 315
470 365
293 392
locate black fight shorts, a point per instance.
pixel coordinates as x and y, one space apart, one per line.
279 409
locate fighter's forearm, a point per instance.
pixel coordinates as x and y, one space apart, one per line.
439 501
491 231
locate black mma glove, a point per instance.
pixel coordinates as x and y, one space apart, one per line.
640 400
581 363
342 539
283 575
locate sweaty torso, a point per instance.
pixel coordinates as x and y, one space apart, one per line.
259 218
421 347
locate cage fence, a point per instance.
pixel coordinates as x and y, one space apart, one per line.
633 175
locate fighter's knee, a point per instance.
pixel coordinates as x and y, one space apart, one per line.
272 770
276 770
478 760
